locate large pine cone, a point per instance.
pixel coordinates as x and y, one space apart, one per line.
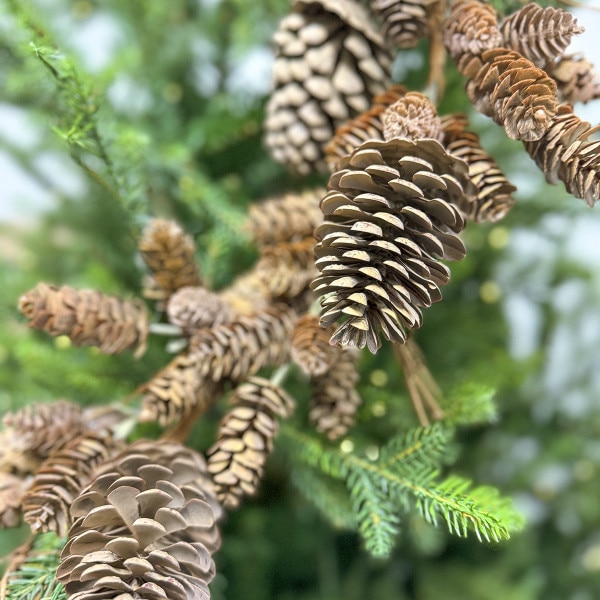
330 61
144 529
391 214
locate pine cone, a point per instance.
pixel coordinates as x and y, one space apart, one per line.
286 269
330 62
247 294
471 28
287 218
576 79
144 528
87 317
169 254
565 153
390 212
334 400
178 391
494 192
61 478
240 348
404 22
194 308
368 126
310 349
539 34
236 461
12 489
515 93
411 117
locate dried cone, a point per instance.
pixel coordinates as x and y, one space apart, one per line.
169 254
404 22
286 218
178 391
576 79
391 214
494 192
366 127
193 308
334 400
144 528
539 34
87 317
412 117
514 92
61 478
236 461
566 153
287 268
329 63
471 28
240 348
247 294
310 349
12 489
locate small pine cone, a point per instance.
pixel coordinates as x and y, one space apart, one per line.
565 153
330 61
236 461
178 391
287 268
238 349
404 22
35 432
169 254
471 28
576 79
144 528
515 93
334 400
494 192
412 117
287 218
61 477
368 126
247 294
310 349
539 34
194 308
391 213
87 317
12 489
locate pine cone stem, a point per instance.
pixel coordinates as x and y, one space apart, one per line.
436 81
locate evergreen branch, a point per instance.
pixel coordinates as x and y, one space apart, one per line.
471 404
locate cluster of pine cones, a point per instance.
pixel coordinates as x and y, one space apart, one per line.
141 519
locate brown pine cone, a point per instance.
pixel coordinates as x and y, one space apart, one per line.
539 34
494 192
246 433
87 317
576 79
412 117
144 528
515 93
286 218
193 308
329 63
334 400
12 489
169 254
311 349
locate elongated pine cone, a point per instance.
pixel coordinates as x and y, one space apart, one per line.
169 254
329 63
144 528
87 317
539 34
391 214
334 399
287 218
61 477
240 348
12 489
193 308
404 22
246 433
576 78
471 28
494 192
311 349
567 153
514 92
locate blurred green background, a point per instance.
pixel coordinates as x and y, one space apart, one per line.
181 88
